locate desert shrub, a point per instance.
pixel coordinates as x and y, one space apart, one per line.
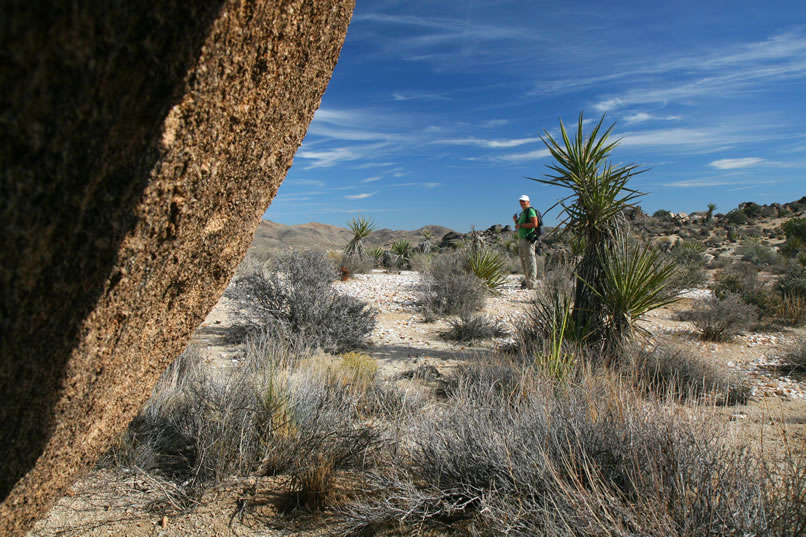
324 435
355 264
449 289
690 259
742 280
470 327
488 266
679 374
421 262
736 217
795 228
758 254
795 356
297 294
200 427
721 317
586 460
793 282
662 214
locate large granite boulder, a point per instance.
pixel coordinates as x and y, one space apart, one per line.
141 143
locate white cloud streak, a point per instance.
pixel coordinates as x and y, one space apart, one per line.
360 196
733 163
492 144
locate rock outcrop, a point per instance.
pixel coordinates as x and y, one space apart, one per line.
141 143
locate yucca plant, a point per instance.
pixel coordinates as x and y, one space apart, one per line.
593 211
488 266
556 361
635 281
710 214
402 248
376 254
361 228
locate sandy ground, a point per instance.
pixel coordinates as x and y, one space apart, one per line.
112 503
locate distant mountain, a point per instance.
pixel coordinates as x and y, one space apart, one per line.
271 236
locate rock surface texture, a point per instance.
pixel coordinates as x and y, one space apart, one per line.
141 143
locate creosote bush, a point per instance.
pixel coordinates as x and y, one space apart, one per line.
297 295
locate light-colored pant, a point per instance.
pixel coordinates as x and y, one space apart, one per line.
526 250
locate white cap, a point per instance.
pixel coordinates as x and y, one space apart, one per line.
524 198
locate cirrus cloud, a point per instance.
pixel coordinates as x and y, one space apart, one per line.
733 163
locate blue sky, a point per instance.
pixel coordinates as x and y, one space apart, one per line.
435 109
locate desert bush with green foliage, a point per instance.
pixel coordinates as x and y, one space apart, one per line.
758 254
690 259
741 280
795 228
662 214
297 295
736 217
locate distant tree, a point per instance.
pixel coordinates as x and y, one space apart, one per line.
711 209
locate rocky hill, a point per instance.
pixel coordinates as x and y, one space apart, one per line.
719 232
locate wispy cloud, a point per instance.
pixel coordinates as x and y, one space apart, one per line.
493 123
638 117
306 182
397 96
492 144
371 179
429 186
519 157
326 158
733 163
740 68
360 196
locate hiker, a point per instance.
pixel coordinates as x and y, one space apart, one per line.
527 224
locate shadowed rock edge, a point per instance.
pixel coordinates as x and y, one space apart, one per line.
141 144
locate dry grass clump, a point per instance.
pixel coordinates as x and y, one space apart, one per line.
469 327
296 296
589 458
200 426
795 357
276 413
676 373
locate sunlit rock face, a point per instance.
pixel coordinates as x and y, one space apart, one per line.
141 143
